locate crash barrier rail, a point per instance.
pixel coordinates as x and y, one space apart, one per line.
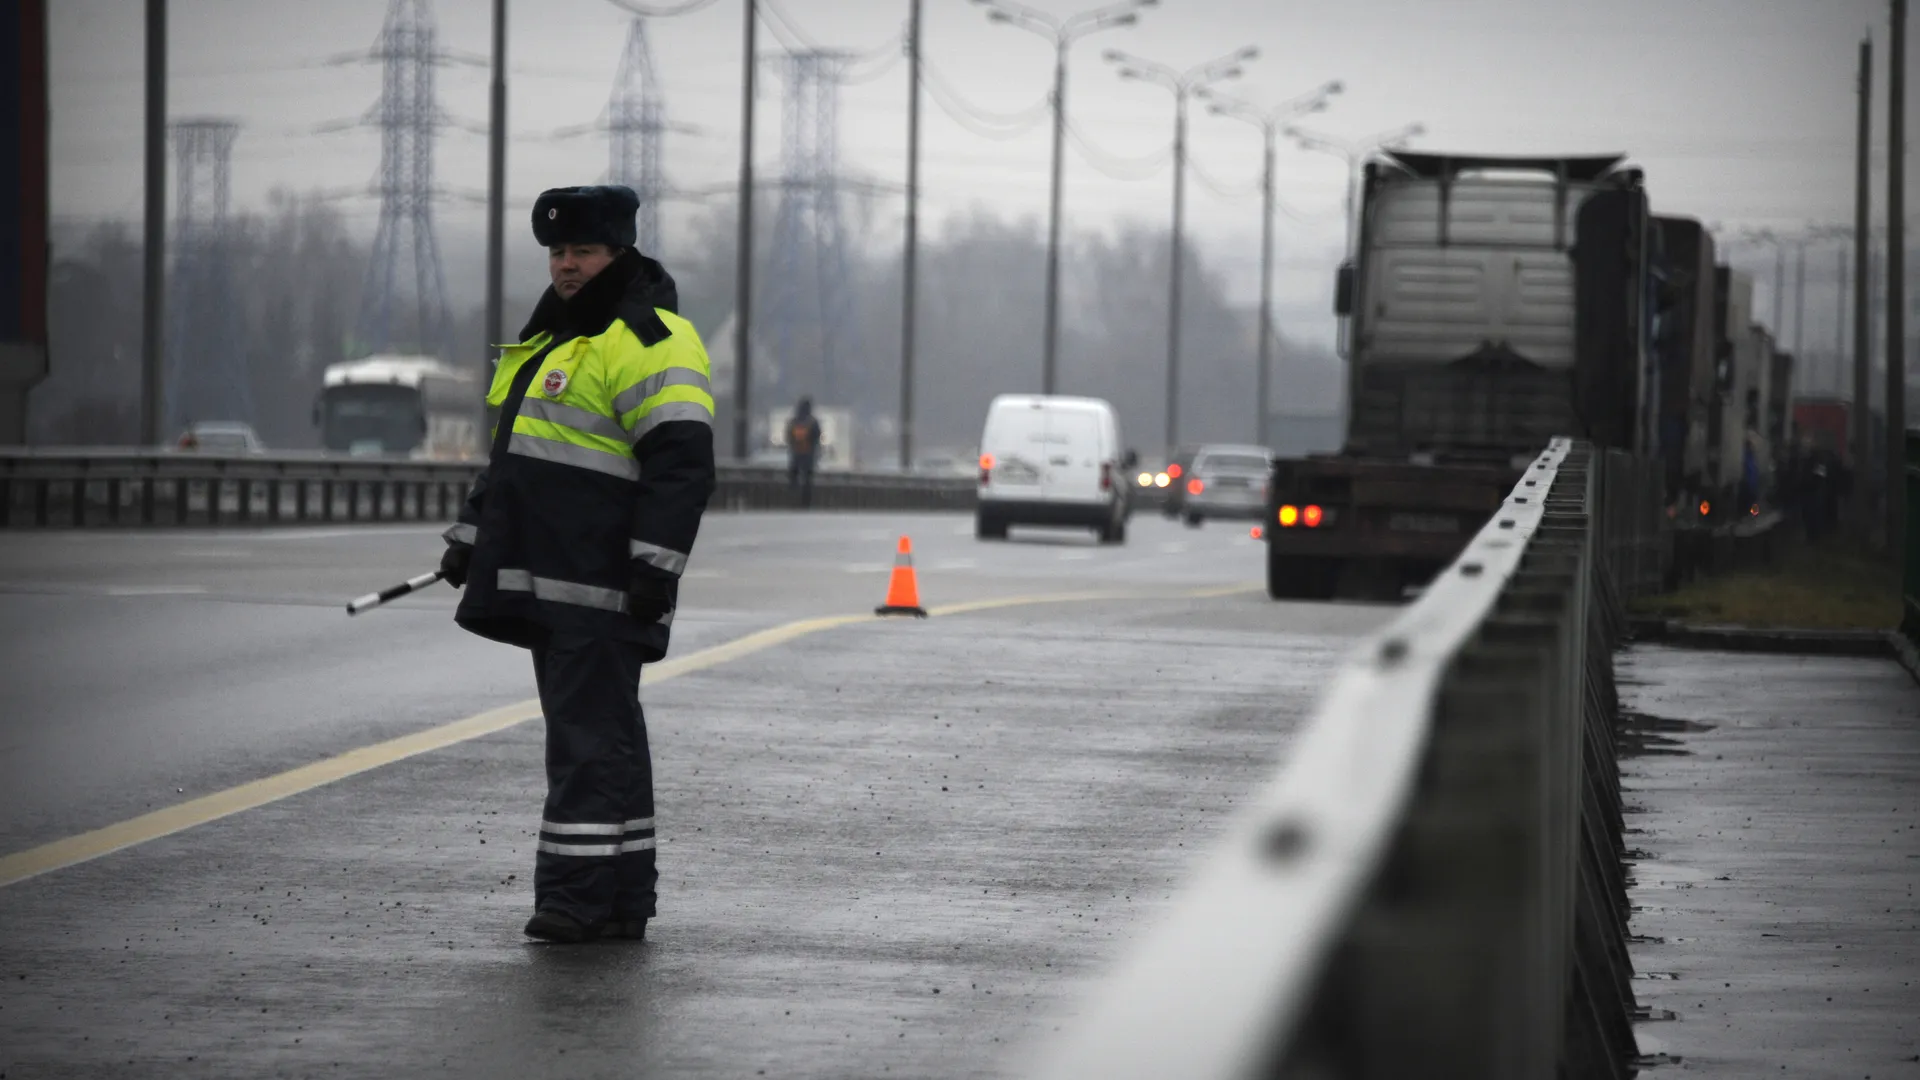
1910 554
105 487
1433 884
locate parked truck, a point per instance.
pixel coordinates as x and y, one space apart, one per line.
1493 303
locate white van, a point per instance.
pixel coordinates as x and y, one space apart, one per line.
1052 460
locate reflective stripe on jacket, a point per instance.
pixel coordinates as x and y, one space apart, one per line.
601 466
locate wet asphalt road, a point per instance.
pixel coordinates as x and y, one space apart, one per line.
887 848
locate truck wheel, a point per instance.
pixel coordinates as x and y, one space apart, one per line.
986 527
1194 520
1301 577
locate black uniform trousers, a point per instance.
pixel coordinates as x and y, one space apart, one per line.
595 856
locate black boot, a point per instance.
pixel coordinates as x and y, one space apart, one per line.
632 929
565 929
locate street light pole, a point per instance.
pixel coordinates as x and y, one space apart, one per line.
1062 33
1050 350
1263 378
1269 125
1174 275
1896 405
496 187
1800 302
1182 84
743 280
153 320
910 258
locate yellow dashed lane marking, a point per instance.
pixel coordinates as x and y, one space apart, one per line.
60 854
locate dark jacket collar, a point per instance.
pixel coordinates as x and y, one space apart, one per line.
629 289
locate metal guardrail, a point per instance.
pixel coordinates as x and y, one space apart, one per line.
108 487
1433 884
1910 556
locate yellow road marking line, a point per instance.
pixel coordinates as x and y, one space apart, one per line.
1022 601
60 854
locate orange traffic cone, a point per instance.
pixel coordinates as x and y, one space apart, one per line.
903 592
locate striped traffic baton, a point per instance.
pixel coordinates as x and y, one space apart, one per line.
375 599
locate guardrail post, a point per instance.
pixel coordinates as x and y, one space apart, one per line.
40 499
6 501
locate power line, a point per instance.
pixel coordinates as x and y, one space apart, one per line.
661 11
890 54
792 38
955 111
1025 119
1113 165
1219 187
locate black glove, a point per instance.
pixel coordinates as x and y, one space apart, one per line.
453 565
649 597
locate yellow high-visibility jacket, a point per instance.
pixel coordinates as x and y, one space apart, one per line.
601 466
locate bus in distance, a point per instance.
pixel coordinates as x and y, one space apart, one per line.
411 406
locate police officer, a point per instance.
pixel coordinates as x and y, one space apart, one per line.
573 539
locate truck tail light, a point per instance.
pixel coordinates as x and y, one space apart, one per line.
1312 516
1289 516
1196 486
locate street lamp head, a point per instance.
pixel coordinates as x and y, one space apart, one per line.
1250 52
1124 19
1335 87
1112 56
1233 72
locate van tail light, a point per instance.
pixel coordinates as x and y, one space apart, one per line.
1174 471
1106 476
1195 486
986 469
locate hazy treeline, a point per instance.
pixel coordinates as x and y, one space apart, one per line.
299 270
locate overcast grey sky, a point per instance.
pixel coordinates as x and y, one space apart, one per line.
1741 111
